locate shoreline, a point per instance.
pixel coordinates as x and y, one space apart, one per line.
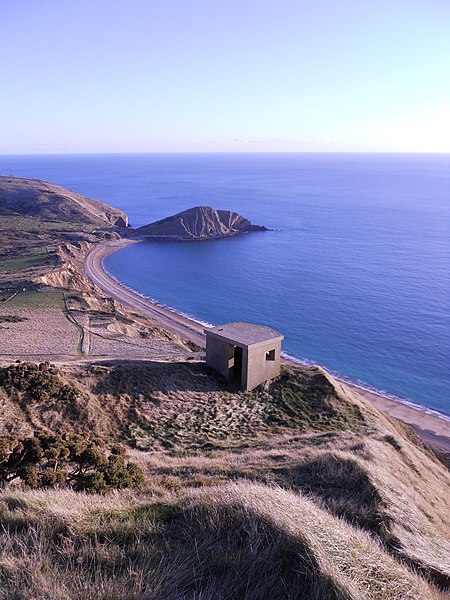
433 429
94 270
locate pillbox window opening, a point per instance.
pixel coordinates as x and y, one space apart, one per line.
270 355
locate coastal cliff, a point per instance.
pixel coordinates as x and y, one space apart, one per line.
199 223
47 201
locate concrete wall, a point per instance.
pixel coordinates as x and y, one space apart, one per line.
255 367
220 356
258 368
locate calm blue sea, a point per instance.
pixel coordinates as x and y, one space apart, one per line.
355 272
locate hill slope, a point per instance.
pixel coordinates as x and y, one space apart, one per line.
345 494
199 223
239 541
50 202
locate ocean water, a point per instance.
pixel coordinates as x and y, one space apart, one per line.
355 271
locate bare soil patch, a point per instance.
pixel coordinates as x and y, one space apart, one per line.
44 333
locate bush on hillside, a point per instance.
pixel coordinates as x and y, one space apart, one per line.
38 382
53 461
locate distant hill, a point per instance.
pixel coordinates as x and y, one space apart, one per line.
36 198
199 223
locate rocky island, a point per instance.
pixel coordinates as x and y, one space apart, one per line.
198 223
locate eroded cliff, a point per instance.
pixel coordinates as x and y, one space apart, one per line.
199 223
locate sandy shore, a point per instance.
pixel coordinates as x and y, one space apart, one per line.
433 429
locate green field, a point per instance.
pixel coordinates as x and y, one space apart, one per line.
39 257
41 299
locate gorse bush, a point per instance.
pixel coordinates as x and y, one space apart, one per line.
53 461
37 382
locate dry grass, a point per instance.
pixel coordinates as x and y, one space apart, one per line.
77 330
114 336
241 540
185 405
29 338
346 506
401 500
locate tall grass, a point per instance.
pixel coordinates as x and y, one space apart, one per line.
241 540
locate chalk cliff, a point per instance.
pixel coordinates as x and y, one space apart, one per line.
199 223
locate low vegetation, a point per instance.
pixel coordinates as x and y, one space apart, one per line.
53 461
243 540
11 319
186 406
29 241
39 400
32 299
240 494
38 258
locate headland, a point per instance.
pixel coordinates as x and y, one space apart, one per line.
198 223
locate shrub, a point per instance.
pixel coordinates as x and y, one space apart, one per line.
53 461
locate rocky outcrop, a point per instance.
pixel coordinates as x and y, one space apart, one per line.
198 223
36 198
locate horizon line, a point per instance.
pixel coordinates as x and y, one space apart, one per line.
198 152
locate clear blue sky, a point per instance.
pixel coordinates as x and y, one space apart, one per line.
224 75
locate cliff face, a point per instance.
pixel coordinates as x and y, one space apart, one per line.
199 223
35 198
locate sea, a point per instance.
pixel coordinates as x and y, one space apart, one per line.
354 270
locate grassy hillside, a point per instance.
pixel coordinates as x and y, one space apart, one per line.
298 489
50 202
36 217
242 540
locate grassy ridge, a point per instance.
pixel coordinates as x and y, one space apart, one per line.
247 495
243 540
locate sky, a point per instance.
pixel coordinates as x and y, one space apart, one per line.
94 76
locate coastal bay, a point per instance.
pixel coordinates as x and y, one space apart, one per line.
431 427
357 256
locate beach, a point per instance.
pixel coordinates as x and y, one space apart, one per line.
93 268
432 428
